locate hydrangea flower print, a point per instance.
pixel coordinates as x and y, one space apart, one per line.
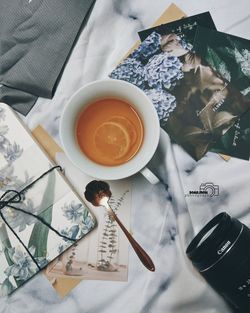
185 45
164 103
149 47
163 71
155 71
130 70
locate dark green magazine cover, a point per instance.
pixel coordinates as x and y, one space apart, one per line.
230 57
185 27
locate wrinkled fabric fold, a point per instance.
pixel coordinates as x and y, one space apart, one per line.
36 39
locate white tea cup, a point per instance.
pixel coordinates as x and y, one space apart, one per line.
118 89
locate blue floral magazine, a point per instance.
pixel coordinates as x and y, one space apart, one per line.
40 215
195 105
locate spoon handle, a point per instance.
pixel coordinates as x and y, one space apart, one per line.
141 253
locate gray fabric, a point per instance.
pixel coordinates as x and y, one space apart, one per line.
36 37
19 100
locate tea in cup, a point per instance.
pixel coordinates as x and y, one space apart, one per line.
110 130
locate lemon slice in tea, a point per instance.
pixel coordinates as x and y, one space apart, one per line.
128 125
112 140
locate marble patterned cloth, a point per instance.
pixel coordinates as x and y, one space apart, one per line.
164 220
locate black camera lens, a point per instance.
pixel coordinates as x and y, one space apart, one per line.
221 253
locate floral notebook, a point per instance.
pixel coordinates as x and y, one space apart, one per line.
40 215
103 254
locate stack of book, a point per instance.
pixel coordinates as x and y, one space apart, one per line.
199 82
